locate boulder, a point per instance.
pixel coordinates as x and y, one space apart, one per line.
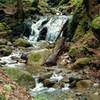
48 83
22 43
3 41
83 84
5 50
38 56
81 62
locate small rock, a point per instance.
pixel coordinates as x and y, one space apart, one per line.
45 76
83 84
48 83
3 41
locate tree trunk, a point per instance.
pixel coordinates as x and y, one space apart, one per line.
20 12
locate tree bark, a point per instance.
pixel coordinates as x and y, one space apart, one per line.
20 11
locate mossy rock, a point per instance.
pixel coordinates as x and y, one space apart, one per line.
82 28
96 27
6 51
38 56
82 62
23 78
83 84
77 52
22 43
3 27
4 30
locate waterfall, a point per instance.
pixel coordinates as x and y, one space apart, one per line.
47 28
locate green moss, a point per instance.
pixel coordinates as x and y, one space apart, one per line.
77 2
38 57
2 97
82 27
43 7
96 23
5 51
8 87
76 52
35 57
81 62
23 78
22 43
3 27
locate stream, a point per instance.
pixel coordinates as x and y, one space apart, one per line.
45 29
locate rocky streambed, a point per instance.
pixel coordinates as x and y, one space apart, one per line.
23 61
50 83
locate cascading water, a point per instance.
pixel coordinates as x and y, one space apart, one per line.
49 28
40 89
12 60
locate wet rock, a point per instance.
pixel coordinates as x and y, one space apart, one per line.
48 83
22 43
38 56
24 56
45 76
3 41
43 34
58 85
20 30
5 51
83 84
43 44
73 81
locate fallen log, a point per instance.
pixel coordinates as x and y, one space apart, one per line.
52 59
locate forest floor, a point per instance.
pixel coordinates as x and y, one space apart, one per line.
9 90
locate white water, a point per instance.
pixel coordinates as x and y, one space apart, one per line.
54 26
40 89
9 61
56 77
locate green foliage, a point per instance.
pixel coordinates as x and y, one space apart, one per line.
76 52
96 23
36 57
23 78
2 97
7 87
